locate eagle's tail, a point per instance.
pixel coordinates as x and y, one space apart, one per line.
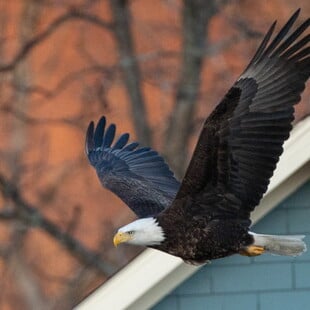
281 245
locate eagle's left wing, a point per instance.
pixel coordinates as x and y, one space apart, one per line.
139 176
241 141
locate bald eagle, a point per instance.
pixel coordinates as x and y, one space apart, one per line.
207 216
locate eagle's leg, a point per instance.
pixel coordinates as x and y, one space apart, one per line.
252 250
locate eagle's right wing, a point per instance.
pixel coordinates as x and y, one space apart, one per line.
139 176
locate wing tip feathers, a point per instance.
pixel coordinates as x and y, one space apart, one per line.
97 136
89 140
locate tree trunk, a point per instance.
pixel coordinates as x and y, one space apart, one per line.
196 17
130 69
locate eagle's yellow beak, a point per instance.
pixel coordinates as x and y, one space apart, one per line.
121 237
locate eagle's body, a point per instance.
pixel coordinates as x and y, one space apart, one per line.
199 239
207 216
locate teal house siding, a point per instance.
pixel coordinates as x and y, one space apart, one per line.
262 283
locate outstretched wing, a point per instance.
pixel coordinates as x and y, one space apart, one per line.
241 141
139 176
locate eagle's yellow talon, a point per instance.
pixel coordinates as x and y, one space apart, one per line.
252 250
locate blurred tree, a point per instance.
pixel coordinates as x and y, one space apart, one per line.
155 68
196 15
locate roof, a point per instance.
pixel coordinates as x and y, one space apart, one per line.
153 274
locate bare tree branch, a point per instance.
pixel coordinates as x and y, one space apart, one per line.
130 69
71 77
71 15
196 16
31 216
7 214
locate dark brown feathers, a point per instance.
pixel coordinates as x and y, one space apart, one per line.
241 141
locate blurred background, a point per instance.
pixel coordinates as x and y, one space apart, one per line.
155 68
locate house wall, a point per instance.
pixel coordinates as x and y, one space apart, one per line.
262 283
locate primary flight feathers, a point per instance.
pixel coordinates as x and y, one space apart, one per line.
241 141
139 176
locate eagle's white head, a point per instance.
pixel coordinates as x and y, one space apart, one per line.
144 231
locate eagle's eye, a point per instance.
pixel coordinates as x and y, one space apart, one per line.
130 232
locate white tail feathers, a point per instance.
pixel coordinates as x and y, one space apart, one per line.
281 245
